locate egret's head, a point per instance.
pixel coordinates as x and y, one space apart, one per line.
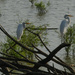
24 24
66 16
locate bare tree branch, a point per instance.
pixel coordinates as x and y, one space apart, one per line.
10 61
50 56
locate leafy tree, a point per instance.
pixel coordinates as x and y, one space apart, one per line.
42 7
70 38
28 39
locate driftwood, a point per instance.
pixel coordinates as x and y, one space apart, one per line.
7 67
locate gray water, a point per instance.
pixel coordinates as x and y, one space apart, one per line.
16 11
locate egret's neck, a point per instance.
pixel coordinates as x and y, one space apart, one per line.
68 20
23 25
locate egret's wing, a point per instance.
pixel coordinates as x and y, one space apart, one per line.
63 27
19 31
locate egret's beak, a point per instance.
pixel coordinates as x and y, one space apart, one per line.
70 15
27 23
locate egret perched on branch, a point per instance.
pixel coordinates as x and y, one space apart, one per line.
20 29
65 24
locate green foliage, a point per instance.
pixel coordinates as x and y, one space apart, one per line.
48 4
42 7
6 45
27 40
70 38
29 37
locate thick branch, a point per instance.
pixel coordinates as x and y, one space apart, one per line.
50 56
44 46
60 63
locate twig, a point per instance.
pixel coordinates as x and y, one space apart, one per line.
10 47
39 38
18 53
3 63
38 58
7 55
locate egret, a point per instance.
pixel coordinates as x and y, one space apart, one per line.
20 29
65 24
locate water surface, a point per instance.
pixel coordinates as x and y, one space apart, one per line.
16 11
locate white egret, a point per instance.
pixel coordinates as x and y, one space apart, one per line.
65 24
20 29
